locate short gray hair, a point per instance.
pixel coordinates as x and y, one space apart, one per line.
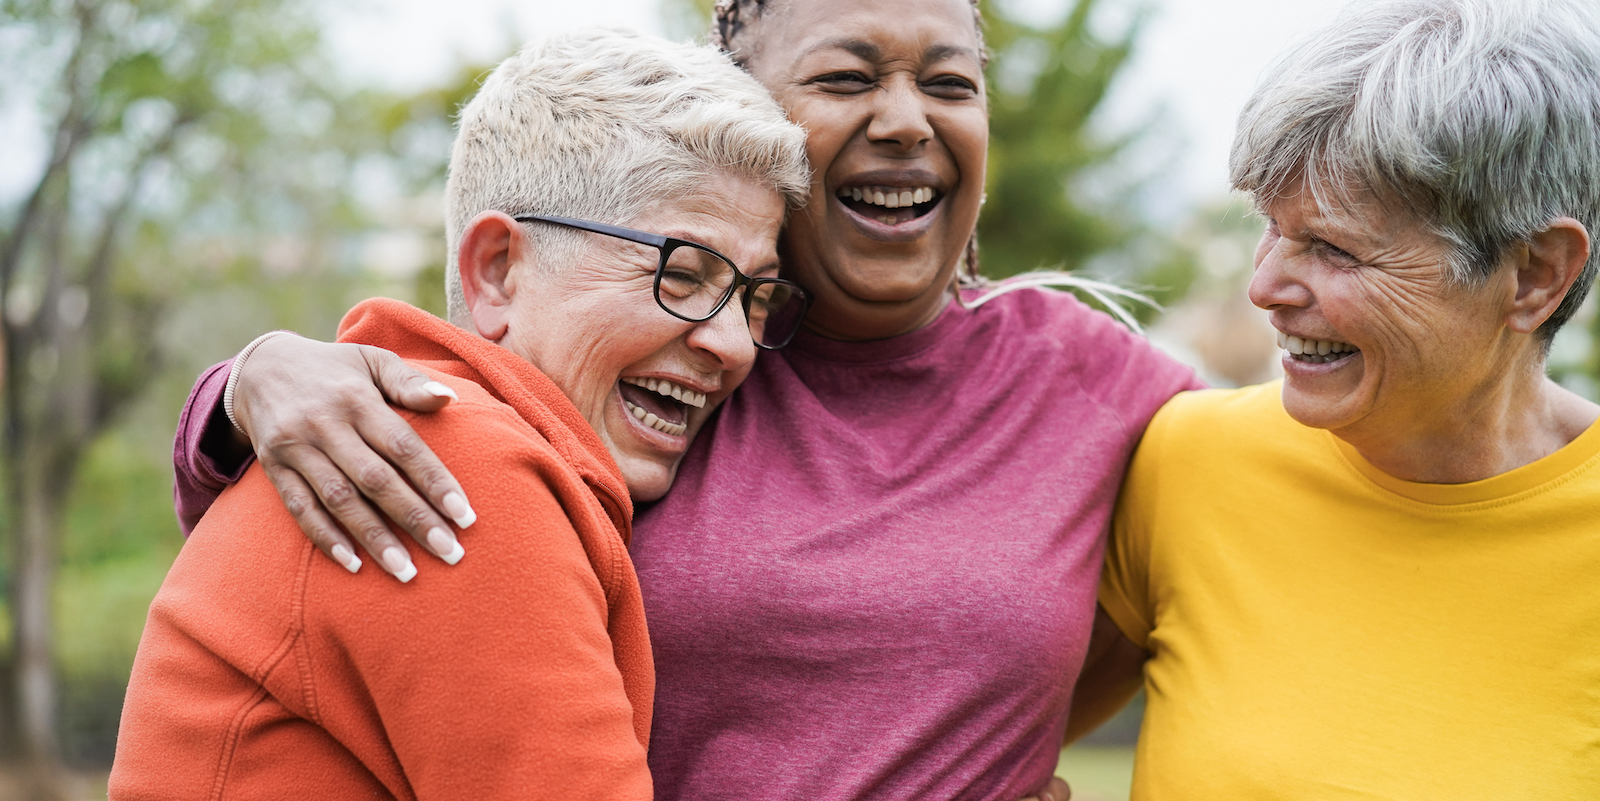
1480 116
604 125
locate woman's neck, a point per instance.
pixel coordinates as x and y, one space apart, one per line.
1481 437
865 322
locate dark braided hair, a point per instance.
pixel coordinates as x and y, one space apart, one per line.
731 18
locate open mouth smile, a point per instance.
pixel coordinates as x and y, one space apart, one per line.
889 205
1316 351
660 404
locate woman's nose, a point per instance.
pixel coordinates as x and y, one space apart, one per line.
725 337
1276 283
900 116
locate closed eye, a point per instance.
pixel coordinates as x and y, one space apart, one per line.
844 82
1333 252
950 87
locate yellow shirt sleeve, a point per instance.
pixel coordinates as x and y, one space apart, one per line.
1125 581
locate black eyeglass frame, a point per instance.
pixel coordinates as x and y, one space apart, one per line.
666 245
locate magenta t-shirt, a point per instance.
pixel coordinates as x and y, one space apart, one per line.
875 576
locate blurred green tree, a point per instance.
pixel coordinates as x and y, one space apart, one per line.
1045 85
188 145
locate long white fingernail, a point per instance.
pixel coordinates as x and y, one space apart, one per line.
439 390
455 505
447 547
346 557
399 563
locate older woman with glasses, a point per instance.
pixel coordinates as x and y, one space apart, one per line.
584 357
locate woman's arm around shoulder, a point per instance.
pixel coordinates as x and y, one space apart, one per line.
318 417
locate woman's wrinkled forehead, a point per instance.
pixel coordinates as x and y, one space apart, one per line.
735 28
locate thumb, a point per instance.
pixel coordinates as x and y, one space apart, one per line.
1056 790
403 384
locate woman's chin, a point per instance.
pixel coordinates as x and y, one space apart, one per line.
1325 401
878 299
853 318
648 480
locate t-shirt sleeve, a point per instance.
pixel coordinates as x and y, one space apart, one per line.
1149 377
497 677
199 477
1125 583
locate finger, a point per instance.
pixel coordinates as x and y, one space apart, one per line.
398 443
365 458
349 509
1056 790
405 385
307 511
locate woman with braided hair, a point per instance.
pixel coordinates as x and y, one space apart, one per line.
874 577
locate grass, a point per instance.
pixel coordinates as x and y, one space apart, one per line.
1097 772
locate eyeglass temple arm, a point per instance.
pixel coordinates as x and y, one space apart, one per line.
629 234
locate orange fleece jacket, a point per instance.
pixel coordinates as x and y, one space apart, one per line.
267 671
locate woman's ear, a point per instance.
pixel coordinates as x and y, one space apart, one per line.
491 246
1546 269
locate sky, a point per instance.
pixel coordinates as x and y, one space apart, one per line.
1196 63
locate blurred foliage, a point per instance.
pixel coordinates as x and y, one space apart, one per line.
1574 358
1045 85
687 19
118 543
206 177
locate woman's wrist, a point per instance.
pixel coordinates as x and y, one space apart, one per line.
233 379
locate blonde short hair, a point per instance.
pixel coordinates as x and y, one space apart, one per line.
605 124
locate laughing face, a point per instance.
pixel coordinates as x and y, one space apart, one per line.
645 380
1380 343
891 96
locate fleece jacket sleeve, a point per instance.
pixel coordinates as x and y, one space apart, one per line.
496 677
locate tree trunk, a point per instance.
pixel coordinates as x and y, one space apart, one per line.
36 513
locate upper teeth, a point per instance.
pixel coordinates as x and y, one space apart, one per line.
1313 347
890 197
662 386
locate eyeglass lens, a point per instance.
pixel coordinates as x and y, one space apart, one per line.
694 281
776 311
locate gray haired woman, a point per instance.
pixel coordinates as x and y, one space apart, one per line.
1377 580
527 672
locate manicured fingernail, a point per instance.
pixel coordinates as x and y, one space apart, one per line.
395 558
439 390
345 557
455 505
447 547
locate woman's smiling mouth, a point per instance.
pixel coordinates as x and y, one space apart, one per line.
1316 351
889 205
660 404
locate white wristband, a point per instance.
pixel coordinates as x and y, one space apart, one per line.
233 376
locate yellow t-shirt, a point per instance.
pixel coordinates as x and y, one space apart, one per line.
1321 630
